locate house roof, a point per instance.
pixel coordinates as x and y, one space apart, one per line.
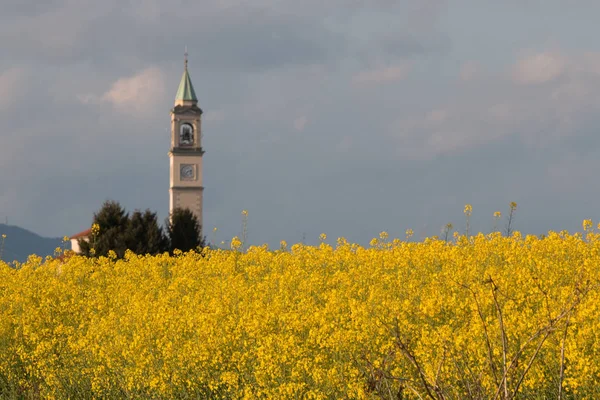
85 233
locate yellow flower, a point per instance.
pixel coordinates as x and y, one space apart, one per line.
313 322
322 237
4 236
409 233
236 243
245 213
283 244
468 209
497 214
383 235
587 224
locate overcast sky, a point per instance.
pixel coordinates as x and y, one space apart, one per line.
346 117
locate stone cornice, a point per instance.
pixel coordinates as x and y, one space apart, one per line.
187 188
193 109
186 152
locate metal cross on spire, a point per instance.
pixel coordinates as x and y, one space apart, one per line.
185 58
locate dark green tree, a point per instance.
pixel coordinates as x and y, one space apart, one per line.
184 231
144 235
113 222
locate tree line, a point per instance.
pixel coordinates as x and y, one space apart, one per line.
113 228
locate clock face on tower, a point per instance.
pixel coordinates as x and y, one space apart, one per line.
187 172
186 135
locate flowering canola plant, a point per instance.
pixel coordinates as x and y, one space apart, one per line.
478 317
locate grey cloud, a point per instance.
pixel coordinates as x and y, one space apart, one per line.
264 43
245 37
13 87
111 32
60 32
412 43
491 110
15 8
402 45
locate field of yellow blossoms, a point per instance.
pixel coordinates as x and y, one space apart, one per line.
474 317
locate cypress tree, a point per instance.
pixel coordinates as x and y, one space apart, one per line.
144 235
113 222
184 231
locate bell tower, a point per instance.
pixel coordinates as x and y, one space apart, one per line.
185 155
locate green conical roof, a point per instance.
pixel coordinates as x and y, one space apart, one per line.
186 89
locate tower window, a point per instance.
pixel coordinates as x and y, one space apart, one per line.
186 135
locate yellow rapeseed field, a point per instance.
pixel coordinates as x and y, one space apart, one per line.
475 317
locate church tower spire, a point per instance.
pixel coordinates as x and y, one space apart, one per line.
186 190
186 92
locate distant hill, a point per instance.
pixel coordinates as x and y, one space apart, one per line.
20 243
